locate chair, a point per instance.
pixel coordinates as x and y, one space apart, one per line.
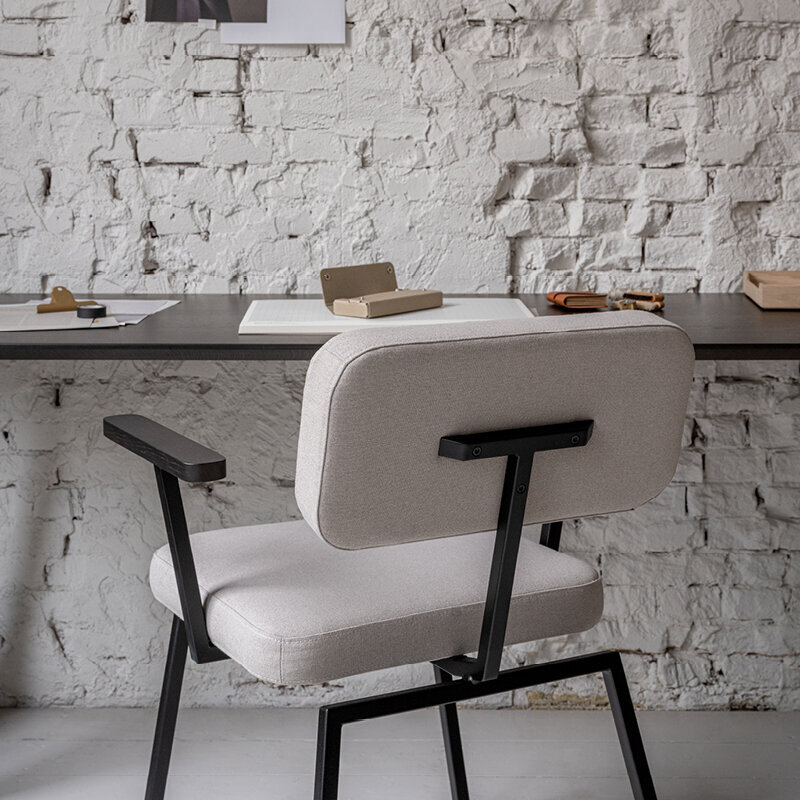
415 480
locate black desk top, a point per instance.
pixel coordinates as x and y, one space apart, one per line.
204 327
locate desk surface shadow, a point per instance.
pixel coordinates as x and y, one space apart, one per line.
204 327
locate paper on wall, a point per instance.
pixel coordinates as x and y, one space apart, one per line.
291 22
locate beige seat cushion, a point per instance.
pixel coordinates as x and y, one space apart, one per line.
292 609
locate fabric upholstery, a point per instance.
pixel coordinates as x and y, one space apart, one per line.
376 403
291 609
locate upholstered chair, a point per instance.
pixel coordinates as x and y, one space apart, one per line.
416 479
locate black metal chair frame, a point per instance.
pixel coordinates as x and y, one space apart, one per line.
457 679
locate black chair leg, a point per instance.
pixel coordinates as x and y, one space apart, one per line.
167 712
329 751
454 752
628 730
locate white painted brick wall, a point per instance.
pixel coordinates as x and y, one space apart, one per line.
482 146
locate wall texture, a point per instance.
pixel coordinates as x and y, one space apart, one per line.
481 146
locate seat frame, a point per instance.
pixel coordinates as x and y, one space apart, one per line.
457 679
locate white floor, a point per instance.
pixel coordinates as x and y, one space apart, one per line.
536 755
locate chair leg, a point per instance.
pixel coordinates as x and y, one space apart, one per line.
628 730
329 750
454 752
167 712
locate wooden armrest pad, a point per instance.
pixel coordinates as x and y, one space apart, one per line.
164 448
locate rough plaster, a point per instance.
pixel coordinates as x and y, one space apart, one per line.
481 146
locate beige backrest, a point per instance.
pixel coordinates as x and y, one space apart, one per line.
377 402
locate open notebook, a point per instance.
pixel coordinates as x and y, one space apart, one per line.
306 315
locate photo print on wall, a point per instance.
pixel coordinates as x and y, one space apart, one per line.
194 10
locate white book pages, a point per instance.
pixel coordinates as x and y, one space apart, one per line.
305 315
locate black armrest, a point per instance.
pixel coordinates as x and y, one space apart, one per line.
164 448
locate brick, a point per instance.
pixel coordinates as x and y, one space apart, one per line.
744 42
612 112
172 147
214 75
677 185
746 467
679 111
609 183
610 253
241 148
632 76
587 218
521 217
786 468
544 183
522 146
620 41
19 40
778 218
287 75
673 253
722 147
649 147
311 146
743 183
686 219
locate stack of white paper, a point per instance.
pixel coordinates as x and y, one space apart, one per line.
312 316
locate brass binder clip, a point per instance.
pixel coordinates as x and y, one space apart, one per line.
62 299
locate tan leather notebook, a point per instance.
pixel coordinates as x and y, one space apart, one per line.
577 300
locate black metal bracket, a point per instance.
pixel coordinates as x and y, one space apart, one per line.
194 615
174 456
446 693
518 446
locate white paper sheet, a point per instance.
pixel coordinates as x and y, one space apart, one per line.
124 310
291 22
23 317
312 316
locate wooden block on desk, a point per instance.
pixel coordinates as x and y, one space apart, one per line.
773 288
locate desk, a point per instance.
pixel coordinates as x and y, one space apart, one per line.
203 327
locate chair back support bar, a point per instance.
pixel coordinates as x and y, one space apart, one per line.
519 446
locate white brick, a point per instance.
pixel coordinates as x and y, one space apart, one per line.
287 75
172 147
522 146
609 183
722 147
241 148
214 75
747 184
675 185
612 112
674 253
19 40
544 183
310 146
778 218
637 76
644 146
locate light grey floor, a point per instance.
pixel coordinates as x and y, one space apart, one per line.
536 755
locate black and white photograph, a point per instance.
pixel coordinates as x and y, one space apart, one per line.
194 10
